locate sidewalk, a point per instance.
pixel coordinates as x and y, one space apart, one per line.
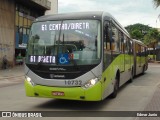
16 71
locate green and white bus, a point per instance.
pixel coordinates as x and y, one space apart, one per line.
80 56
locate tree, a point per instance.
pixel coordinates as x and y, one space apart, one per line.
156 3
137 31
136 34
152 38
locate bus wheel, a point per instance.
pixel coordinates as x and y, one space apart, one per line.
143 69
116 87
131 79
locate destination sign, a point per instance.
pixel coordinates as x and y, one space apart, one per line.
43 59
65 26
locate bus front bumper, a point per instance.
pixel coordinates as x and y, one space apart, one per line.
71 93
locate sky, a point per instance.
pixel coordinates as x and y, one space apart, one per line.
127 12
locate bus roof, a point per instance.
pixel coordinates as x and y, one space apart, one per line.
74 15
81 15
139 42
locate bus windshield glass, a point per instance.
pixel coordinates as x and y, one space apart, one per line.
65 42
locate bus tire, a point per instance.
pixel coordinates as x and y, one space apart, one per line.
143 69
131 79
116 87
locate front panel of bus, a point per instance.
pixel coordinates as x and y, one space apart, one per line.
63 60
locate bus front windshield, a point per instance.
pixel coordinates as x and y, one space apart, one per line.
64 42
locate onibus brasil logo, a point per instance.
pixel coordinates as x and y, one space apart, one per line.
21 114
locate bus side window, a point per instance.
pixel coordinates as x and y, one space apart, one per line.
115 39
142 51
121 39
107 36
125 45
146 52
131 47
138 49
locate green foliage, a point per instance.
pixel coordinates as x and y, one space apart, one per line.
153 36
136 34
156 3
138 26
137 31
144 33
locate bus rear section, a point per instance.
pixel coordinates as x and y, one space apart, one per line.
140 57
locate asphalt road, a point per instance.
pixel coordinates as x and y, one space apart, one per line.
133 96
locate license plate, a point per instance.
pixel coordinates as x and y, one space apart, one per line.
57 93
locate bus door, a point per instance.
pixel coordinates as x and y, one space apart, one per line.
122 58
138 58
126 57
107 56
139 54
130 52
143 54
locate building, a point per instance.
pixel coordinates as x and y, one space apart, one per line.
16 17
54 8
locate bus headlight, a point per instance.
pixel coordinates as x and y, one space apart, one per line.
90 83
30 81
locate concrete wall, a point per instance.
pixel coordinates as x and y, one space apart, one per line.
54 8
7 34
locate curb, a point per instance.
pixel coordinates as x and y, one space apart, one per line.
11 77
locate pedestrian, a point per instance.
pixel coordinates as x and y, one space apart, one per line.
5 61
